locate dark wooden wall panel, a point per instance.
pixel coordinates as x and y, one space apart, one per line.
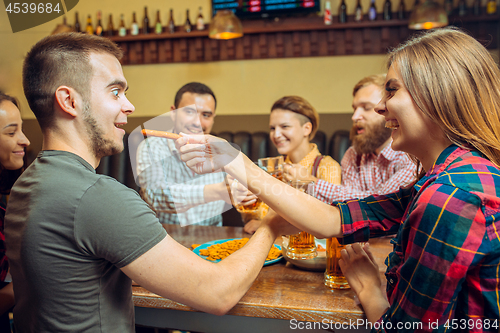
290 37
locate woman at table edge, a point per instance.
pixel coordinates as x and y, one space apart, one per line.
442 101
293 123
12 145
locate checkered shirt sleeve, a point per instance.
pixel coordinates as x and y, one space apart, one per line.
172 189
374 174
444 269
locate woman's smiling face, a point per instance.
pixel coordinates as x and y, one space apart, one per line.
286 132
12 139
412 130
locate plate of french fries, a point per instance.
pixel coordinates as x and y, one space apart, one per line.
217 250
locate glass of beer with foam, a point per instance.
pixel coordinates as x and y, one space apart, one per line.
333 274
303 244
273 166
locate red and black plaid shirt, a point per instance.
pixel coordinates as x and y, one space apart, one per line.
444 271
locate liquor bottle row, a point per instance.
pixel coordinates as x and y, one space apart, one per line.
476 9
461 10
135 29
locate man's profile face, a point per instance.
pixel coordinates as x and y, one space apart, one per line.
195 114
368 132
108 108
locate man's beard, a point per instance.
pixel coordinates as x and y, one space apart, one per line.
99 145
374 136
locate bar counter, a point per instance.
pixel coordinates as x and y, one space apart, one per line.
283 297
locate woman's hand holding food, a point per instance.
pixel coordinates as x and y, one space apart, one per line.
205 153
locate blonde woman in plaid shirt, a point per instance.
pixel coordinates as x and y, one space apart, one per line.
442 101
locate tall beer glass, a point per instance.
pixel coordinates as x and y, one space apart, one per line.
302 245
333 274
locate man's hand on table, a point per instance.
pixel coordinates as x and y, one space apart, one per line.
251 226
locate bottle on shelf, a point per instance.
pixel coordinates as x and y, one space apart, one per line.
462 8
358 12
372 11
145 21
343 12
200 22
171 24
122 31
401 10
491 7
158 26
387 10
476 7
98 27
187 24
417 2
328 13
448 7
89 29
134 28
109 30
78 28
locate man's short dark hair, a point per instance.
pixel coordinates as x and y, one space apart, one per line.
62 59
194 88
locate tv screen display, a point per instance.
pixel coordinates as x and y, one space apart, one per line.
266 8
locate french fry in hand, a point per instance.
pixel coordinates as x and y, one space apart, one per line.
160 134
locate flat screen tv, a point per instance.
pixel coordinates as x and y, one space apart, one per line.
266 8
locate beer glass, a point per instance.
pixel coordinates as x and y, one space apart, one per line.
333 274
273 166
248 212
302 245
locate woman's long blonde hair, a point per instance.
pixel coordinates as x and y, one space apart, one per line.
454 80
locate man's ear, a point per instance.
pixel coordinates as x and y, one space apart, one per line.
173 112
67 99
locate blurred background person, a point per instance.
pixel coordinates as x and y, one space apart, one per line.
171 189
12 149
293 123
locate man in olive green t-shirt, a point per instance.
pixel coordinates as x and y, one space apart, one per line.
76 239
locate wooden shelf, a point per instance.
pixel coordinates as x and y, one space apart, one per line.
289 37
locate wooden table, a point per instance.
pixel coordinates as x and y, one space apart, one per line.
281 298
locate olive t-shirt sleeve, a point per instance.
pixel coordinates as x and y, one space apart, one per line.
112 222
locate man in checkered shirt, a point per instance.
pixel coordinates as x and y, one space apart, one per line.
369 166
171 189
